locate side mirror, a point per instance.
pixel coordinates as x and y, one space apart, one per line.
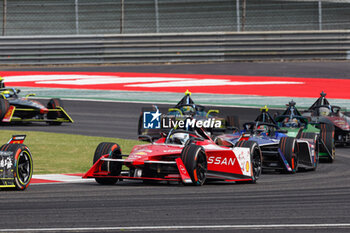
145 138
29 95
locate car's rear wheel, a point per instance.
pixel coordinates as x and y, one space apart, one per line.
287 147
255 159
195 161
52 115
4 107
114 168
327 141
23 164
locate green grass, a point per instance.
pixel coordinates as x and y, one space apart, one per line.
63 153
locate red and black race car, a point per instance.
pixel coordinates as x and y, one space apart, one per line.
14 108
185 156
323 114
16 164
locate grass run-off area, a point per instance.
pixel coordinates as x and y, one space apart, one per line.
63 153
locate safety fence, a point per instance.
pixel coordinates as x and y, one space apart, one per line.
72 17
175 47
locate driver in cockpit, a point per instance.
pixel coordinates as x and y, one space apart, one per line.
188 110
324 111
179 138
291 122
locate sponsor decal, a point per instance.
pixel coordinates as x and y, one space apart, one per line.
157 120
244 137
141 153
247 166
151 120
6 162
8 115
6 153
133 156
172 151
19 138
241 155
191 123
183 170
221 161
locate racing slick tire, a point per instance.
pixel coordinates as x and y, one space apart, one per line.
195 161
315 137
327 141
287 147
23 164
53 104
4 107
114 168
255 159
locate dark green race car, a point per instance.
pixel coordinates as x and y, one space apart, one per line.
299 126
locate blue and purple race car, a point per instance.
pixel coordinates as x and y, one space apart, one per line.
279 152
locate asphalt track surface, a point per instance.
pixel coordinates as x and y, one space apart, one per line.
112 119
304 202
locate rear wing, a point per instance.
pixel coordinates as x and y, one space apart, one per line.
17 139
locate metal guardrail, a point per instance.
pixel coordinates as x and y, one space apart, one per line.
175 48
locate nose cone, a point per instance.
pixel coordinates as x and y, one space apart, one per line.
44 110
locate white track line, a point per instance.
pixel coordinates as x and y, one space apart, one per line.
149 228
59 177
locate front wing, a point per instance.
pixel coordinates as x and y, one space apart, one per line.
180 175
306 152
9 116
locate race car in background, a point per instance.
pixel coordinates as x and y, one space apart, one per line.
180 155
16 164
322 112
14 108
299 126
186 108
279 152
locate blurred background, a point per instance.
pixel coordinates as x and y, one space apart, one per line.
50 32
62 17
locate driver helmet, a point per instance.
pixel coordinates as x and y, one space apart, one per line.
179 138
324 111
264 129
6 94
293 122
188 110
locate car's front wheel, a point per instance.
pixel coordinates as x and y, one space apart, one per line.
287 147
195 161
23 164
53 115
255 159
114 168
